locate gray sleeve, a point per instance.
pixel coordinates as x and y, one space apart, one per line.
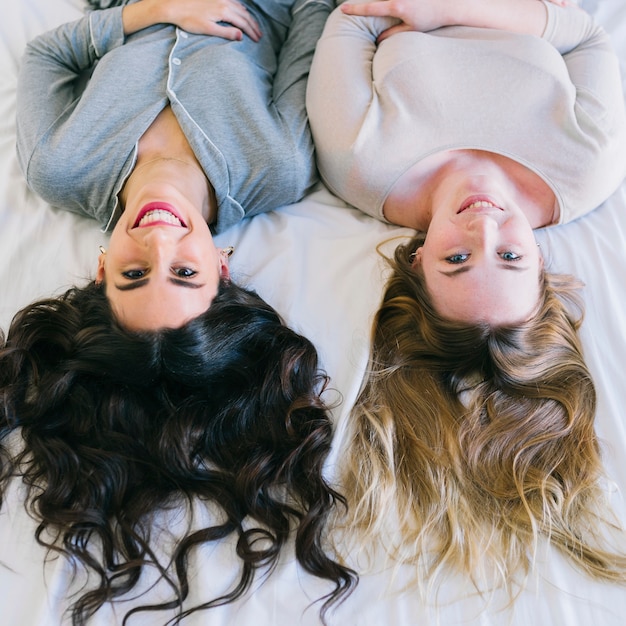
52 69
290 81
296 54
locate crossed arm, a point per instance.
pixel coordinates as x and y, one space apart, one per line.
518 16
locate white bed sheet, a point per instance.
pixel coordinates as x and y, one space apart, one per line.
316 263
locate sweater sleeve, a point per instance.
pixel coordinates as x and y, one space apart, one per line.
598 105
52 69
341 88
593 68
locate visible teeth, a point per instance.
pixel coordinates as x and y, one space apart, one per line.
159 215
480 204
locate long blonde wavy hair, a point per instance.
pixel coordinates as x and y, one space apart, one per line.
481 439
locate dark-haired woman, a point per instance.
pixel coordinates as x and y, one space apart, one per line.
167 121
162 386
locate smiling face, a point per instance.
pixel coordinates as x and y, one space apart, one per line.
161 267
480 259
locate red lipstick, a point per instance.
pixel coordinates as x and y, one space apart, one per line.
158 206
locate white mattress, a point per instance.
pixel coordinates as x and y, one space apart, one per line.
316 263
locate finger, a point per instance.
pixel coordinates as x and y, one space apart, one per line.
252 29
245 27
241 18
376 9
399 28
232 33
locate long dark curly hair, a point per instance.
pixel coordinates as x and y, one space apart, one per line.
117 426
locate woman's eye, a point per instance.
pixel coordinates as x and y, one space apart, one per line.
510 256
184 272
457 258
134 274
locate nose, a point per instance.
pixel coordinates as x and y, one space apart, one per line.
483 228
159 241
482 222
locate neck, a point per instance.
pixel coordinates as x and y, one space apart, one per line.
164 150
144 162
410 201
183 173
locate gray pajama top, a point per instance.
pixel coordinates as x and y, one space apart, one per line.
86 94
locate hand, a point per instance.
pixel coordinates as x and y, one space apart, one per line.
202 16
517 16
194 16
420 15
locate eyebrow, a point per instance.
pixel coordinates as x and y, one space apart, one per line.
136 284
467 268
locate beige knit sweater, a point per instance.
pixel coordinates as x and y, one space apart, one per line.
554 104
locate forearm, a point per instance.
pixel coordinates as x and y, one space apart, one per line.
517 16
140 15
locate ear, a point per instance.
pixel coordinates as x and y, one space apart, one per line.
100 271
224 269
417 257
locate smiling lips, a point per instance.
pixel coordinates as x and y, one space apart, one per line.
158 214
478 205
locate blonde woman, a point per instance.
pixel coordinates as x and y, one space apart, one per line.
473 123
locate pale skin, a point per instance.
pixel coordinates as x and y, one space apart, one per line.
479 259
162 268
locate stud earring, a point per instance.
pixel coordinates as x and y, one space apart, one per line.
102 249
228 251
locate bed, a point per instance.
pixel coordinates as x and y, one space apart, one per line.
316 262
